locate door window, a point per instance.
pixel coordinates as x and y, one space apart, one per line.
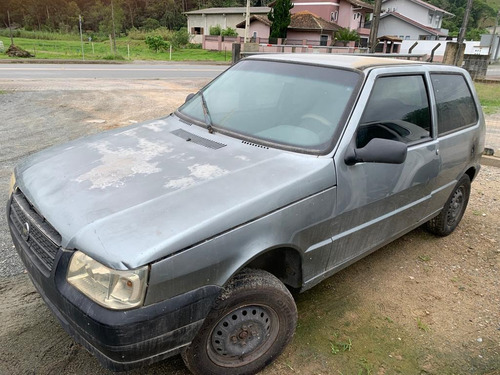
455 106
398 109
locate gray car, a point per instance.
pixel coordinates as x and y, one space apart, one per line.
186 234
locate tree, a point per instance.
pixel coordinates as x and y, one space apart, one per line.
346 35
156 43
280 17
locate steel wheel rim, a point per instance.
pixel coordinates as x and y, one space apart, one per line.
456 206
243 335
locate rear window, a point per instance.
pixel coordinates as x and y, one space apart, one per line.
456 108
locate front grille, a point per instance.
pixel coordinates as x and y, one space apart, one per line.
42 240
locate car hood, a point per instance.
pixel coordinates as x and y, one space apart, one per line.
135 195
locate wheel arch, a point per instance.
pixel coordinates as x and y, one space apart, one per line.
284 262
471 172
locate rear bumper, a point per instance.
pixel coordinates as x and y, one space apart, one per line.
120 340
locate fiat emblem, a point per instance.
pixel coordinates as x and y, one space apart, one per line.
25 232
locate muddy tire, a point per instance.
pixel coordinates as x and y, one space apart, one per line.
453 210
251 323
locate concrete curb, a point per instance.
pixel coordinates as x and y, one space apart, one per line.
491 161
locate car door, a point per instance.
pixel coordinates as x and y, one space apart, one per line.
377 202
460 142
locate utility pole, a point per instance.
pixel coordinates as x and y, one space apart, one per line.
493 39
374 29
10 29
247 21
113 22
81 36
463 29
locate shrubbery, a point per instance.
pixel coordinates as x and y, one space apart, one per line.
217 30
157 43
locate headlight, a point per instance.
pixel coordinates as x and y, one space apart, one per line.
12 184
117 290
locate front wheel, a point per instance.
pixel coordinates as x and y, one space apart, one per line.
252 321
453 210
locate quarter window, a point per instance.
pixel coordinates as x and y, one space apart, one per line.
398 109
455 106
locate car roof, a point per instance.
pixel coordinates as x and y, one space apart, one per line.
335 60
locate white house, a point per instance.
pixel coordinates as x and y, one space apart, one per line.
200 21
412 19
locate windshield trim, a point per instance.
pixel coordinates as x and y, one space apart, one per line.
349 107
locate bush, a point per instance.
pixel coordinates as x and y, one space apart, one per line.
229 32
156 43
180 38
215 30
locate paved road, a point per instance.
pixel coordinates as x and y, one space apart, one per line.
109 71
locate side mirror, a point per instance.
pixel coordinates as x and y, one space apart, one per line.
189 97
378 150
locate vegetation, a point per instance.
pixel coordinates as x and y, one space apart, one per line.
346 35
482 15
101 50
62 15
156 43
217 30
280 17
488 96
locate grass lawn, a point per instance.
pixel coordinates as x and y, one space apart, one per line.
489 96
65 49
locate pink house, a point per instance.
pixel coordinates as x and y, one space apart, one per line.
345 13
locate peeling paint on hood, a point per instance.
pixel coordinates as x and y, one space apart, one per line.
118 164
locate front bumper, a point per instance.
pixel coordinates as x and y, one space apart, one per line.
120 340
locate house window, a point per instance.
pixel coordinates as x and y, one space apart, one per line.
197 30
356 15
431 15
438 19
407 37
334 16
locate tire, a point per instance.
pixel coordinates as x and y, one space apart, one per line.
452 212
251 323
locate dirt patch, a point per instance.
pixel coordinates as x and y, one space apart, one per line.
421 305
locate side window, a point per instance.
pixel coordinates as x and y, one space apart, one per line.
455 106
398 109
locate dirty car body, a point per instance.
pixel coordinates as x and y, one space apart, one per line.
295 165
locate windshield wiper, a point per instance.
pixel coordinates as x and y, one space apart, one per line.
206 113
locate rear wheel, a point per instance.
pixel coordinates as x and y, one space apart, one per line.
453 210
251 323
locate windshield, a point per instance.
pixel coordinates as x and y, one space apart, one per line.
292 105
